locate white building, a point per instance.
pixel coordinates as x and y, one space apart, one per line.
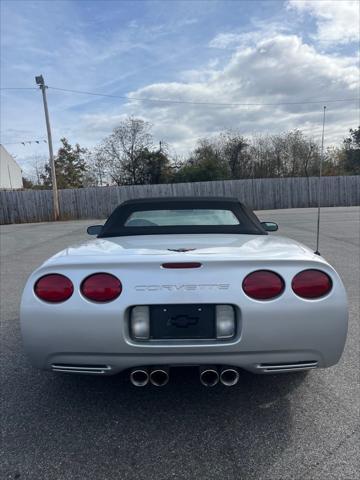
10 172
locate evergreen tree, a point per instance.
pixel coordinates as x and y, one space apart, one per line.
70 167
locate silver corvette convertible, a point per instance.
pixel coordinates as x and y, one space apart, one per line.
184 282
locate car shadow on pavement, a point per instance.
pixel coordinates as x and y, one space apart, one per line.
182 430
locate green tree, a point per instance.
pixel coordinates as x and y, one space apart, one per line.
351 150
70 167
204 164
155 166
27 183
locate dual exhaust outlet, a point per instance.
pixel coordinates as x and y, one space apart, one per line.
158 377
209 376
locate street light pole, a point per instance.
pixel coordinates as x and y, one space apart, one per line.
40 81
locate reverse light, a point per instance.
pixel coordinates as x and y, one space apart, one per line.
263 285
311 284
140 322
225 321
101 287
54 288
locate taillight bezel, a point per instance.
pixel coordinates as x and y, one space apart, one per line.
97 301
317 297
266 298
47 300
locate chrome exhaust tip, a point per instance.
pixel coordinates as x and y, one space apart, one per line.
229 376
209 376
139 377
159 377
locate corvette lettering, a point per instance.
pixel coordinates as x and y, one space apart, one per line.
179 288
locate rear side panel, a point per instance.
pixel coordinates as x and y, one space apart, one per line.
282 330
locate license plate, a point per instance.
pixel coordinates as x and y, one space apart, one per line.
182 321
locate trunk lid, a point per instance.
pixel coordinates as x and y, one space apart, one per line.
185 247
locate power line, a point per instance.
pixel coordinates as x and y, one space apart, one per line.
161 100
24 142
18 88
188 102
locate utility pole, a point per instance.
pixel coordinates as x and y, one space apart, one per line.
40 81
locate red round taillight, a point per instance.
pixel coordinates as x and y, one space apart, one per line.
263 285
54 288
101 287
311 284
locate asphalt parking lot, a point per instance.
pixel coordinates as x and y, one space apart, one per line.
298 426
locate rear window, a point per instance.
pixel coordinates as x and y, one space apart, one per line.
188 217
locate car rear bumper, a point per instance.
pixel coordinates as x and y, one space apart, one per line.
287 330
279 341
255 362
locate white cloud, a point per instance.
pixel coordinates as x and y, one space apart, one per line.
279 69
259 61
224 40
337 21
257 33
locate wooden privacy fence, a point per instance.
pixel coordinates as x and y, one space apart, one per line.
260 194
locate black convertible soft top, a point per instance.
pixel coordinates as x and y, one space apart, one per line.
115 224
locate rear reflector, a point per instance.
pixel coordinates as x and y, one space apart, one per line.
311 284
54 288
101 287
263 285
182 265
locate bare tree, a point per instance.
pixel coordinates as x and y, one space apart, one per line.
37 169
98 168
303 154
122 151
234 152
288 154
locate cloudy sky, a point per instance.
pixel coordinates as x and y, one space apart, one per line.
237 53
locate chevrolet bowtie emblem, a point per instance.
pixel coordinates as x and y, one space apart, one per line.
183 321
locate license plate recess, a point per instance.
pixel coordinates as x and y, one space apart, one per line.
171 322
